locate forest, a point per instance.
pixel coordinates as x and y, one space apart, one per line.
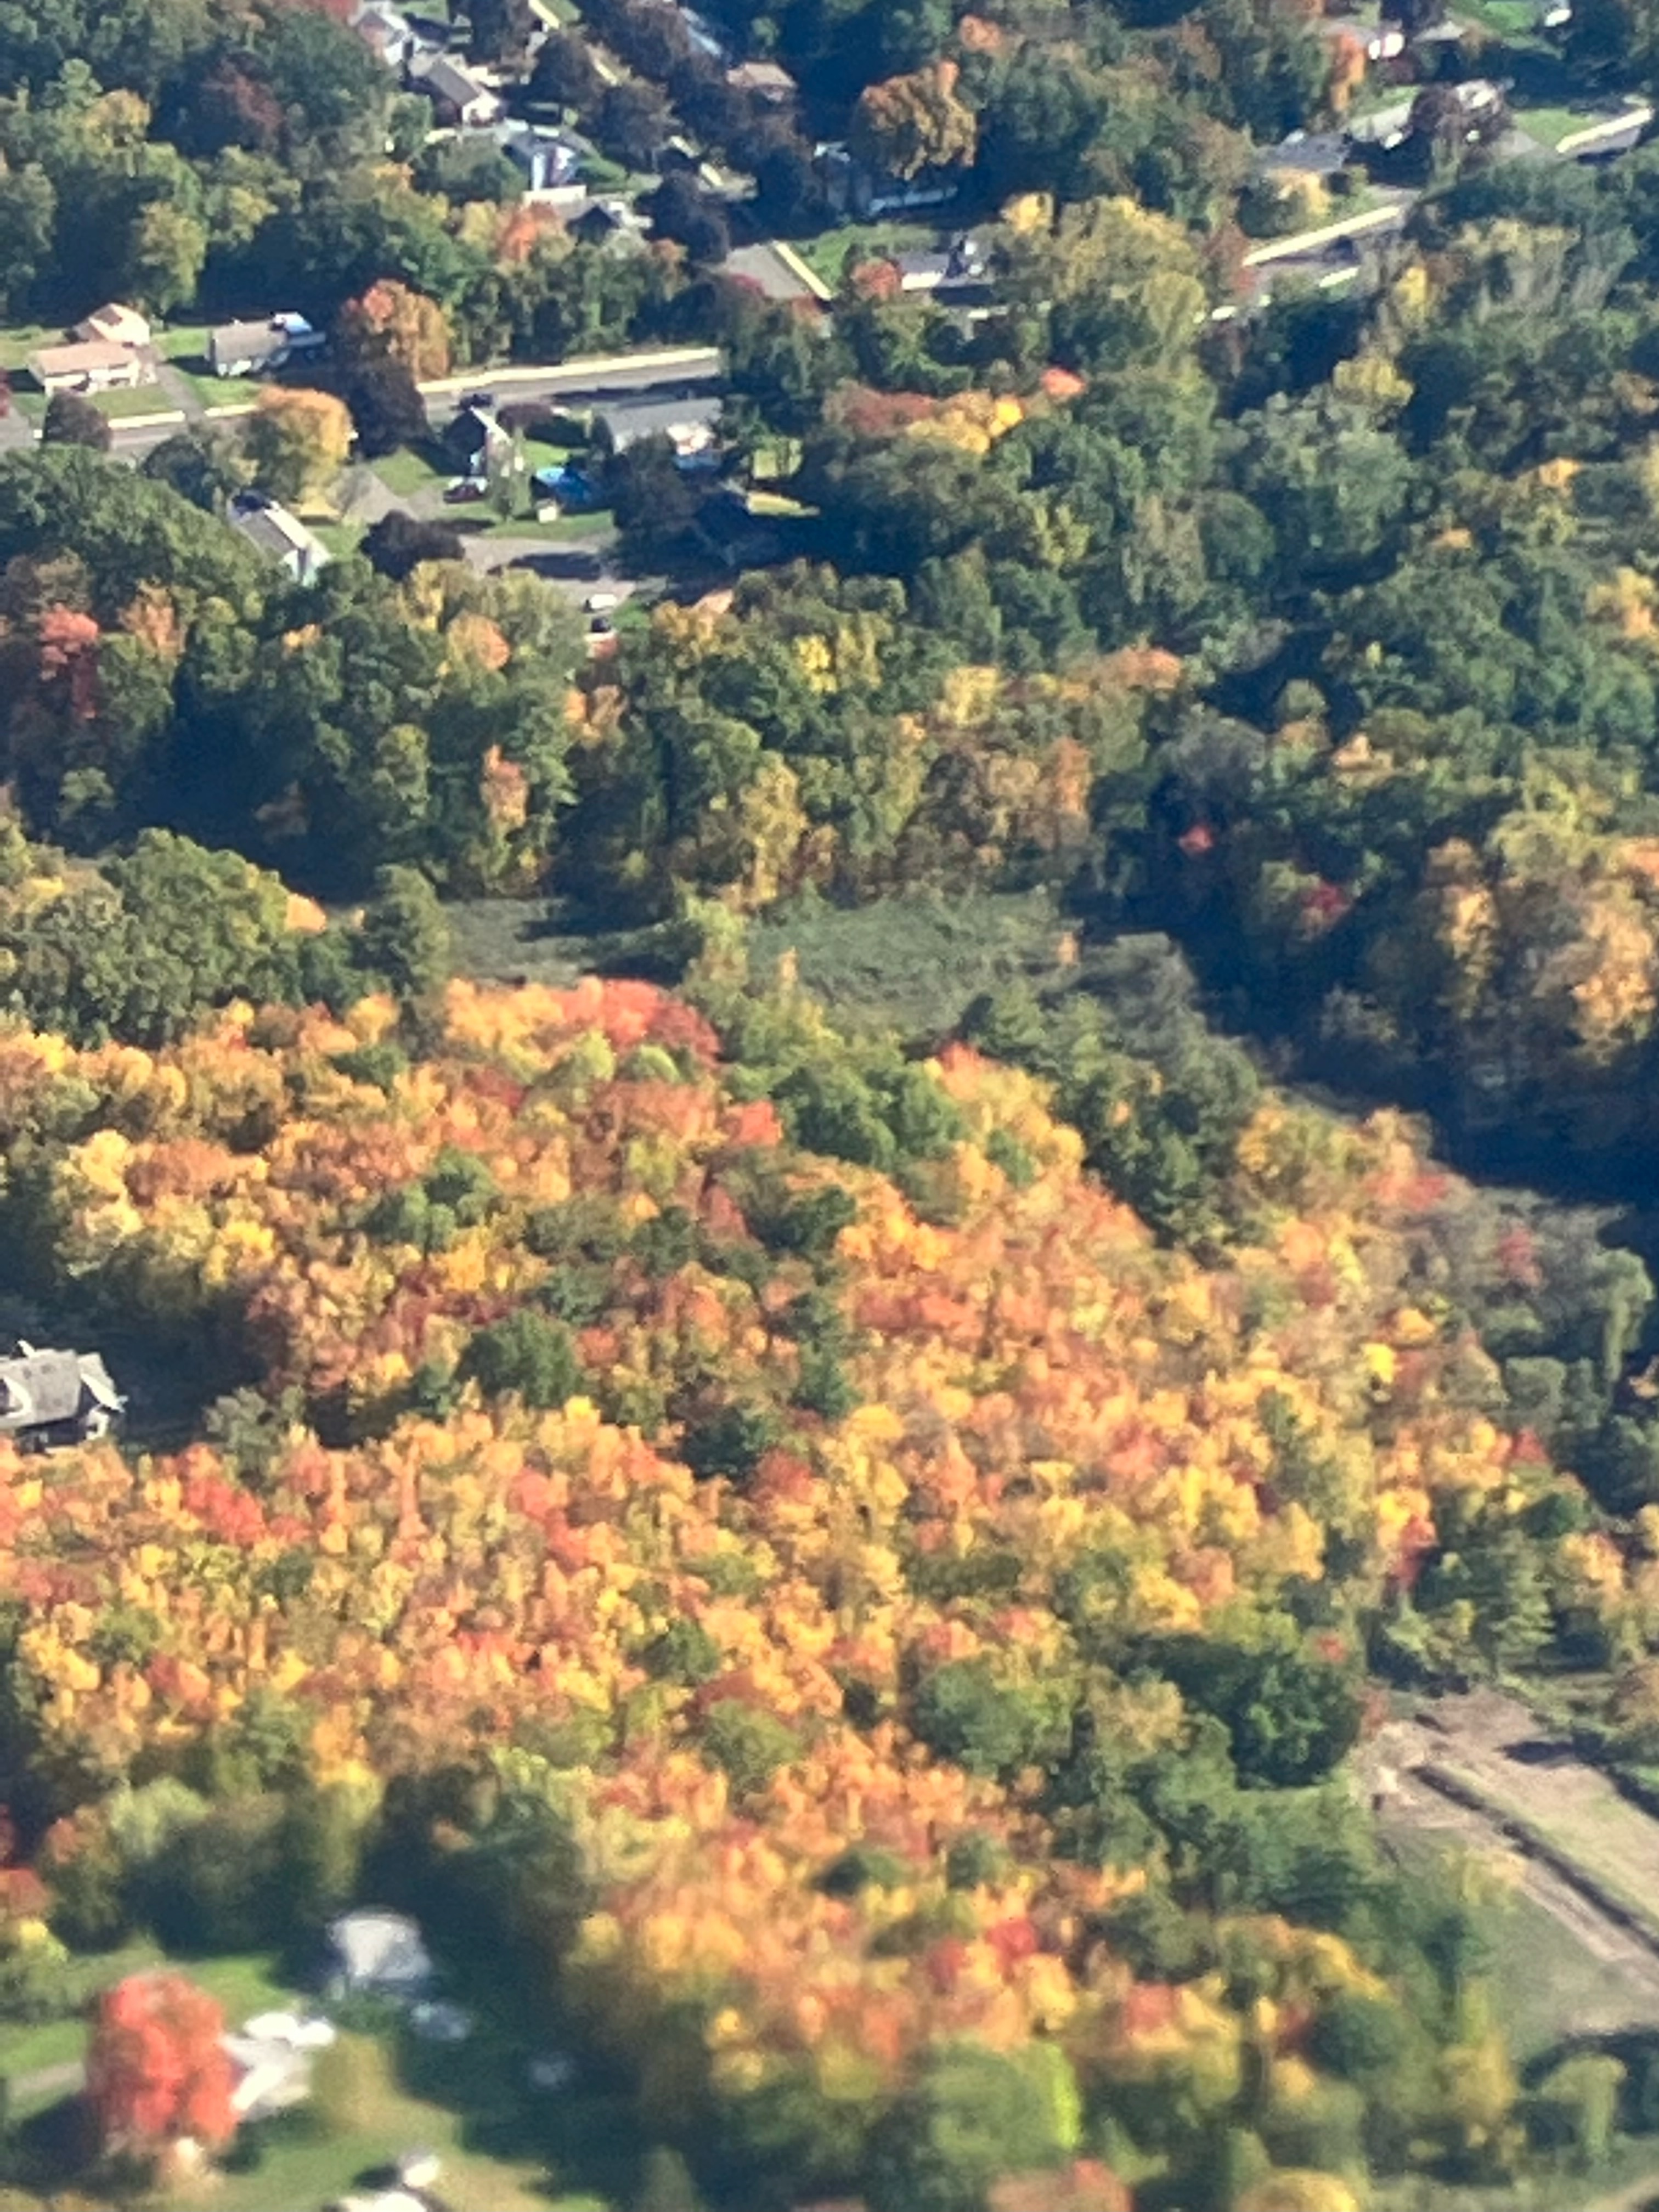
837 1542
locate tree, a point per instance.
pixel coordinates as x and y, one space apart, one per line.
653 502
169 252
405 937
398 544
914 123
392 321
72 421
975 2114
565 73
633 122
297 441
157 2076
386 407
500 31
200 465
680 210
28 212
528 1354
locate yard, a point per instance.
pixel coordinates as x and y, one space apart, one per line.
826 254
361 2115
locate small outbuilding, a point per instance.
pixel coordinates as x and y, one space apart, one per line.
377 1952
114 325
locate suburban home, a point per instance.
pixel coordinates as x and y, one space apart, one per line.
957 268
768 81
378 1953
704 36
390 33
850 189
114 325
462 101
474 439
261 349
607 221
49 1398
90 365
549 159
279 535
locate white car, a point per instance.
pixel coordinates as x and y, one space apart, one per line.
601 602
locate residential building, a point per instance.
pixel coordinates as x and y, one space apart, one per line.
114 325
474 439
958 269
462 101
271 2076
55 1398
279 535
261 349
90 365
608 222
704 35
548 158
768 81
390 34
378 1952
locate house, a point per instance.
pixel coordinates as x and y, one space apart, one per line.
261 349
689 422
474 439
390 33
380 1953
113 325
768 81
549 159
90 365
608 222
1319 153
850 189
279 535
462 100
49 1398
957 268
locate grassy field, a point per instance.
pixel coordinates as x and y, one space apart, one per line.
407 473
913 964
364 2120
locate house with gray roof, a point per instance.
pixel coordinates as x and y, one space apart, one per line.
281 537
49 1398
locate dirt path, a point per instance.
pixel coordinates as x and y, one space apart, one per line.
1477 1770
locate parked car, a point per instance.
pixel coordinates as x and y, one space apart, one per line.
465 490
600 603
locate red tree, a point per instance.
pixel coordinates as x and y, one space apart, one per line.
157 2074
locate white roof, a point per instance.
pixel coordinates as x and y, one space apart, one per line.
379 1947
287 2027
120 325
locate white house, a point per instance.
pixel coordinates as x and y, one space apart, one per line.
90 365
259 348
460 99
379 1952
114 325
279 535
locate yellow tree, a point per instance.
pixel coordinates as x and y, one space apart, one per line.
391 322
914 123
297 441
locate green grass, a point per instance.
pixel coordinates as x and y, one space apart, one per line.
21 339
826 254
147 399
1548 126
913 964
366 2120
408 473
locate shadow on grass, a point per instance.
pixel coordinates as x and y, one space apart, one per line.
587 2135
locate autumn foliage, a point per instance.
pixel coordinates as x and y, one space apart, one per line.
156 2075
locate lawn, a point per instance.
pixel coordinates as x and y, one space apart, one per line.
407 473
1548 126
243 1984
147 399
22 339
826 254
362 2119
